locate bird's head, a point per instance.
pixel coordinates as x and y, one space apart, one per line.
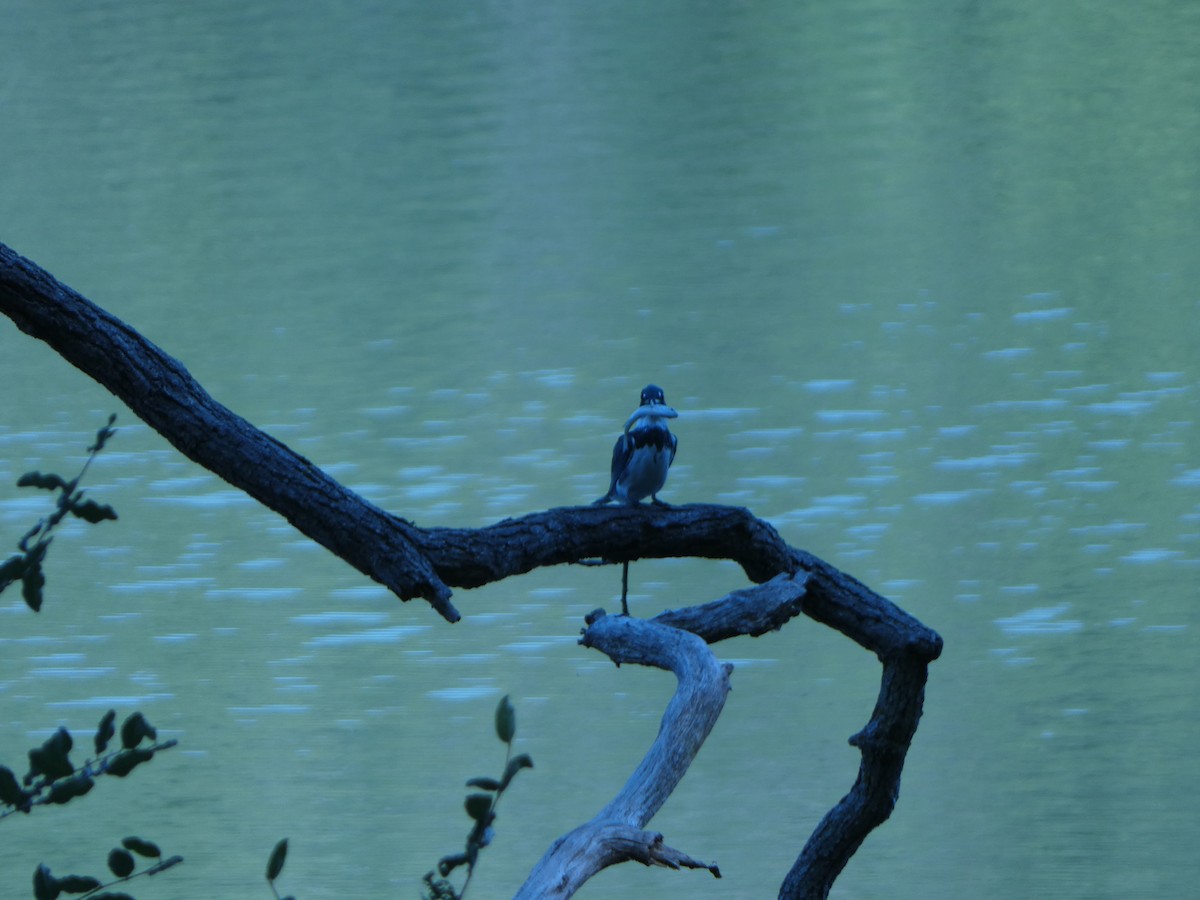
652 394
654 406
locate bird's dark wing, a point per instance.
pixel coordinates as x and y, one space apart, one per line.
622 450
674 447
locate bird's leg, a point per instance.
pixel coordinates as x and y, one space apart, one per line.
624 588
654 499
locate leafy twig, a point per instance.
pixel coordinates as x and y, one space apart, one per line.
53 779
481 807
26 566
121 863
275 866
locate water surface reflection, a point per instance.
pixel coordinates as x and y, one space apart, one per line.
921 284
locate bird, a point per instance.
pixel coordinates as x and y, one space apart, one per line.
643 453
640 460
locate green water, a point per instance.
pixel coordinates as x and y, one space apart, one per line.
921 280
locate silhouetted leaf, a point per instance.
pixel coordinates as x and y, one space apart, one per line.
278 857
38 550
478 805
35 554
10 789
91 511
105 731
120 862
70 788
134 728
141 847
11 570
439 889
78 884
45 885
487 784
59 742
515 765
125 761
506 720
50 760
104 434
48 482
448 864
111 895
32 582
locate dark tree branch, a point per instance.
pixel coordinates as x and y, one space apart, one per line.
884 743
415 562
165 396
753 611
470 557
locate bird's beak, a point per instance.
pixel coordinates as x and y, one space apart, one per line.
657 410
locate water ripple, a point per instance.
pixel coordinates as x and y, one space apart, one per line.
1040 620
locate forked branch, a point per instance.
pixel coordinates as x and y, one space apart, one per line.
415 562
615 834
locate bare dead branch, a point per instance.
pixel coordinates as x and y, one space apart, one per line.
615 834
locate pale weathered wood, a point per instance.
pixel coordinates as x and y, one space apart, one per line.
615 834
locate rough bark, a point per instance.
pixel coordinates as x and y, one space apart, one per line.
164 395
883 743
415 562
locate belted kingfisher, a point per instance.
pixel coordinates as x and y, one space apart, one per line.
643 452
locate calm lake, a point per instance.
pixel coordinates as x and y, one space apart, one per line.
921 280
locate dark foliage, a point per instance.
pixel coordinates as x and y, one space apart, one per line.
26 566
481 808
